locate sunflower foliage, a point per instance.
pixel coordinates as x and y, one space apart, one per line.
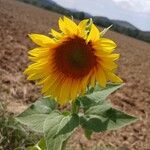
98 115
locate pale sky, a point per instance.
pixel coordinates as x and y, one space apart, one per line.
137 12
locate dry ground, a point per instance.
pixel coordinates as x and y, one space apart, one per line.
18 19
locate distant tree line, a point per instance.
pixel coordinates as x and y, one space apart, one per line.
136 33
52 6
98 20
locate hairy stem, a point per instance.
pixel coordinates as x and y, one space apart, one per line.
64 144
75 108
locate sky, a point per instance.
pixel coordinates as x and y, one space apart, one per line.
137 12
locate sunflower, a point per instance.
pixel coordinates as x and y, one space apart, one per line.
70 60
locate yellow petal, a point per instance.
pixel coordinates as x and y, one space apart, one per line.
108 64
37 51
41 40
114 78
32 58
43 81
74 90
71 25
36 76
94 34
64 93
67 26
56 34
111 57
107 45
101 78
62 25
85 82
93 78
82 27
36 67
51 85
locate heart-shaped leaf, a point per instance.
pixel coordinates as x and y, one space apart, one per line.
58 128
36 114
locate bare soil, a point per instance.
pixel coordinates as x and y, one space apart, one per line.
18 19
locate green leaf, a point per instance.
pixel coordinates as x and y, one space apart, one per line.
84 102
44 105
118 119
51 126
36 114
93 123
98 109
97 96
103 117
100 94
58 128
35 121
69 124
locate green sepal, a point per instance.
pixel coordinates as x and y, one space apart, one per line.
103 32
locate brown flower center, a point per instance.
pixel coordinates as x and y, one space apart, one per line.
74 57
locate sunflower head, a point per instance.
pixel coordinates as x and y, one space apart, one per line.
72 59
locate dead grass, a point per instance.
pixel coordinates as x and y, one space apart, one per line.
14 136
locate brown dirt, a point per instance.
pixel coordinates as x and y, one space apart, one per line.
18 19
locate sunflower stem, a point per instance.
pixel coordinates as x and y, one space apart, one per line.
75 108
64 144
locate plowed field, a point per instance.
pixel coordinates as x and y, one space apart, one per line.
18 19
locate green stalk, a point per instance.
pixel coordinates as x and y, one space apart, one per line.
74 110
64 144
